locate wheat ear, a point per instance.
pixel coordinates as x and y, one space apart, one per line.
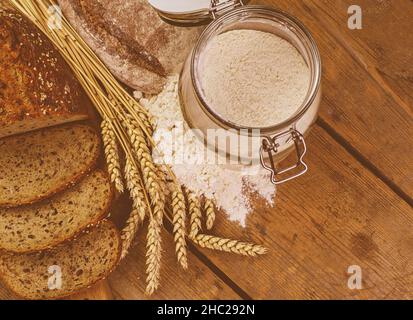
129 232
195 215
209 210
228 245
134 185
153 256
162 179
179 217
112 155
148 169
147 119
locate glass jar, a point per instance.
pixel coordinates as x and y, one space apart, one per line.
271 144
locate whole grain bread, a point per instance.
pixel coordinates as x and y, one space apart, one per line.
37 87
82 262
132 40
38 164
48 223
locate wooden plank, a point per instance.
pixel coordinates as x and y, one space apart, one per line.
128 280
355 105
337 215
198 282
100 291
383 46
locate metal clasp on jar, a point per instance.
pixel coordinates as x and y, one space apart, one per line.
271 145
220 7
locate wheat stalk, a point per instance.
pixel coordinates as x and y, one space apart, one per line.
209 210
112 155
179 228
163 179
153 256
195 215
129 231
86 65
228 245
129 126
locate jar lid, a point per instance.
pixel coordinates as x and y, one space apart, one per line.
192 11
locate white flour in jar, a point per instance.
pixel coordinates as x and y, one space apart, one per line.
253 78
226 186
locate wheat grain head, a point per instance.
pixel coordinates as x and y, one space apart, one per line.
228 245
209 210
153 256
195 214
148 168
112 155
179 226
129 232
134 185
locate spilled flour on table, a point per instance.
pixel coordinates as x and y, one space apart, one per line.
229 187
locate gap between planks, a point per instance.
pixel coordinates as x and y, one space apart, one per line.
354 153
211 266
351 150
357 55
381 83
363 160
343 41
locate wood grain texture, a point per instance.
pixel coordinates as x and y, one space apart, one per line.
337 215
382 46
362 108
198 282
100 291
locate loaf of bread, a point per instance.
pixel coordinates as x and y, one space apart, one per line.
66 269
38 164
37 88
132 40
43 225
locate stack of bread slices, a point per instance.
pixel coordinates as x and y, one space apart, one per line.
54 236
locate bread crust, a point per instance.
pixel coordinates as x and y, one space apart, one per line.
131 39
36 84
70 182
68 294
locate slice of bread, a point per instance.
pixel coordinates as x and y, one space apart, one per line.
38 164
78 264
45 224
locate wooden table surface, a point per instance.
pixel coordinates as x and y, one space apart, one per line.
354 207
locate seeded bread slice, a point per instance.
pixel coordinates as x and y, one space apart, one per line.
83 262
38 164
43 225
